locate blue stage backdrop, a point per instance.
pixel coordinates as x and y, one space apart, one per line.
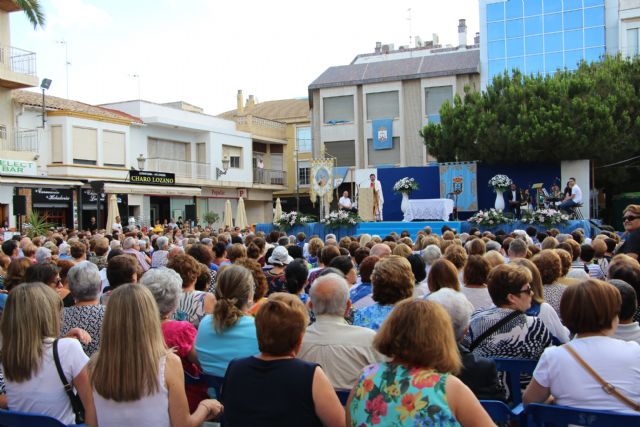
427 176
524 175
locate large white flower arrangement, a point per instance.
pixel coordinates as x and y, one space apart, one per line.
500 182
405 185
289 220
337 219
545 217
489 218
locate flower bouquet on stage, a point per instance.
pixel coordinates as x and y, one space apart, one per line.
341 219
288 220
500 184
489 218
545 217
405 186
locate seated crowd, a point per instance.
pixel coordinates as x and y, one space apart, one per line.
139 322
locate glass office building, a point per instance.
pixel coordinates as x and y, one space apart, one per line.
540 36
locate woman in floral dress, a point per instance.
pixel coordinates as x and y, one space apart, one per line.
416 388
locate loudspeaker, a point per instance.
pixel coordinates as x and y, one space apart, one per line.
19 205
190 212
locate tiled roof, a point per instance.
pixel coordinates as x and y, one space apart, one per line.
442 64
281 109
34 99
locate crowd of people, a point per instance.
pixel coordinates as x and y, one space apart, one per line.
135 320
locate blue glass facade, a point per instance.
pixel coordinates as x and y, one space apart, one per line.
540 36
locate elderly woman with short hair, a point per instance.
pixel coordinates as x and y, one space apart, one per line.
478 373
505 330
431 254
166 286
392 281
85 285
159 257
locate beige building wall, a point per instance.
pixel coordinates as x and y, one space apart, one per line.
413 145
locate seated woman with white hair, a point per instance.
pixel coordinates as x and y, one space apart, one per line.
85 285
430 254
159 257
166 286
478 373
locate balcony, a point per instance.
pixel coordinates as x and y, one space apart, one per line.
24 140
269 177
17 68
182 168
263 129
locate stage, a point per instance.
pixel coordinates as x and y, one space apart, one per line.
386 227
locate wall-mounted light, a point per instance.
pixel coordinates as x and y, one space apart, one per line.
225 167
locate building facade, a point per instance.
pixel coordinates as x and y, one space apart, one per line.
542 36
281 140
406 86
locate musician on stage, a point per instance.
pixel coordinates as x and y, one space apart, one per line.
515 199
378 198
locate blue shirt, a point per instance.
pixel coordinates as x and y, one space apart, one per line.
372 317
360 291
215 351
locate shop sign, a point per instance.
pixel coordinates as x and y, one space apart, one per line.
18 167
56 195
154 178
90 197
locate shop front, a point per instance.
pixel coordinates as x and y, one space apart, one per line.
54 204
90 207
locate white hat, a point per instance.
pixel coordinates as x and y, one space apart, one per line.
280 256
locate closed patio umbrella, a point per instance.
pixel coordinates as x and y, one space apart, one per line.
228 215
112 212
241 216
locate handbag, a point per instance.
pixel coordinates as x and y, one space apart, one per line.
606 386
494 328
76 403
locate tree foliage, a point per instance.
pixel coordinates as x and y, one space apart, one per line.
33 10
591 113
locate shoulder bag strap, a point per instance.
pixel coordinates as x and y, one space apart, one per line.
67 387
607 387
492 329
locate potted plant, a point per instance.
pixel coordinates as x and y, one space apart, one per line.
211 218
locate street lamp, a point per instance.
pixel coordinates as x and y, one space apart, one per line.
46 83
225 168
141 161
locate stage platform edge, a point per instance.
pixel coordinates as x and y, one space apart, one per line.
384 228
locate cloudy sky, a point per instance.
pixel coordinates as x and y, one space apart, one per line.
203 51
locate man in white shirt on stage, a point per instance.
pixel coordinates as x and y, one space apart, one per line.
345 203
571 201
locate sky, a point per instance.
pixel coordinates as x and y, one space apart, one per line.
203 51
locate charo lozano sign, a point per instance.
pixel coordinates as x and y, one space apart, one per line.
155 178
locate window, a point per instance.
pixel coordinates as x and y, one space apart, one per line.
632 41
515 47
338 109
304 173
532 7
533 25
553 42
113 148
56 144
201 152
3 132
552 6
514 9
594 16
495 12
533 45
435 97
303 139
85 146
384 157
165 149
495 31
383 105
552 22
234 154
515 28
573 20
343 151
496 49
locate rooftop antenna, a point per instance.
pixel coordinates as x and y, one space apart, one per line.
66 62
410 32
137 77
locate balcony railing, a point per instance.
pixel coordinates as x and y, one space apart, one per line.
182 168
24 140
18 60
269 176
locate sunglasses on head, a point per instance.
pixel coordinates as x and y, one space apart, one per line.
630 218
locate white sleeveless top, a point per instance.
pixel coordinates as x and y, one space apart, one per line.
152 410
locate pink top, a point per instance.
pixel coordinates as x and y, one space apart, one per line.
181 335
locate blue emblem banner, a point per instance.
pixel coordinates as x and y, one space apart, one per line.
382 133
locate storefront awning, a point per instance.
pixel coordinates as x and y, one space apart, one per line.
152 190
40 182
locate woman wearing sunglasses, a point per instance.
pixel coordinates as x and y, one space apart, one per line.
505 330
631 221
